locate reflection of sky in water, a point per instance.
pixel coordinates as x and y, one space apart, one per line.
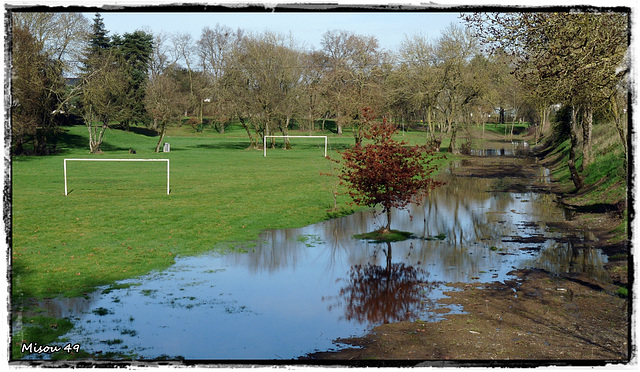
298 290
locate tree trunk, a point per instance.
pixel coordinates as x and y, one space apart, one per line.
388 268
91 138
587 127
162 133
252 140
103 129
452 145
432 128
285 132
357 134
96 136
547 122
575 176
621 128
513 124
388 213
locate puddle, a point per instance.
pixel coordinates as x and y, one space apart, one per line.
298 290
512 149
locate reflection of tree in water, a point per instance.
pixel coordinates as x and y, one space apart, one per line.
572 257
374 294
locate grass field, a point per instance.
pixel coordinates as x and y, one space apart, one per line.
118 222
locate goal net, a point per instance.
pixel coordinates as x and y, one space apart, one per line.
116 174
315 145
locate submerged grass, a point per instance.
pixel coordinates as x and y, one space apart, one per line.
38 330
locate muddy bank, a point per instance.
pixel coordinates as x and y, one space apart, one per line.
535 319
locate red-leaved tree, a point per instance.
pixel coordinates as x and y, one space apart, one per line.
387 172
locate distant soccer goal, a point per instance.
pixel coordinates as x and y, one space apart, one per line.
66 190
325 141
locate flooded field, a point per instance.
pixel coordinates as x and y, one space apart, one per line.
297 291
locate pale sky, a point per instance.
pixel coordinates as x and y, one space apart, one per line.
306 27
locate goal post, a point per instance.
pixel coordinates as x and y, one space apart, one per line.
66 160
325 141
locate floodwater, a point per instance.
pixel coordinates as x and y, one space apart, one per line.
297 291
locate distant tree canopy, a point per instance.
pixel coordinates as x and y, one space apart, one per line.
114 78
576 59
269 82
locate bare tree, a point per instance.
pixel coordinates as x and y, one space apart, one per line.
353 65
101 95
419 83
164 101
161 58
454 50
265 80
215 48
63 35
183 48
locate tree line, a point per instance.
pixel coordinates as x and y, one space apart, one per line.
495 63
577 60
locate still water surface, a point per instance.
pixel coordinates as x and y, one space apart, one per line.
298 290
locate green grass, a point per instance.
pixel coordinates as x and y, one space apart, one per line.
39 329
378 236
604 178
622 292
605 181
505 129
117 221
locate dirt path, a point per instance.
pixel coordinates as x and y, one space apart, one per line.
535 319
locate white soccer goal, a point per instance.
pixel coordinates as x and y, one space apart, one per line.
66 160
325 141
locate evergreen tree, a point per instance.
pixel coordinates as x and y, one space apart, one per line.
136 49
99 41
103 86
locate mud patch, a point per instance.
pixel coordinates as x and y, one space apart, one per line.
537 318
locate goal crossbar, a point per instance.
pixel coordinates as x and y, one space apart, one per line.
66 160
325 141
